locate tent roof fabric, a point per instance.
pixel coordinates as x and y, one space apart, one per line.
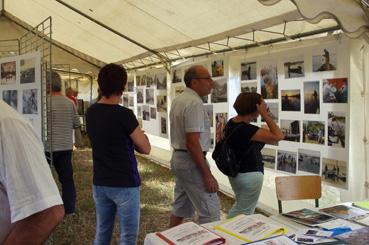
127 31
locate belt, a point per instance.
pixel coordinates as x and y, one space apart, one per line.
182 150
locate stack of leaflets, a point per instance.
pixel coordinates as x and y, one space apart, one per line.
309 217
277 240
251 227
362 204
190 234
360 236
345 212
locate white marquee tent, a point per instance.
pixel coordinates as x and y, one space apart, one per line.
142 33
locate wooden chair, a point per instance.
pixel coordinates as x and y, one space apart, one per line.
298 188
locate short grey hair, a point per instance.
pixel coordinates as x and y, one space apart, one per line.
56 83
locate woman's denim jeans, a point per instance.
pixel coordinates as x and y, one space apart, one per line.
122 200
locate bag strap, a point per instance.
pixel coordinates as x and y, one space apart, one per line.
234 130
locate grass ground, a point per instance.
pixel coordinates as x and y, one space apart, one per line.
156 200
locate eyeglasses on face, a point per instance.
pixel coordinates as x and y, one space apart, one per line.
203 78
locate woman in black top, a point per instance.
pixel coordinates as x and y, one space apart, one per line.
247 141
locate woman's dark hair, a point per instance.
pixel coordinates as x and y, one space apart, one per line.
245 103
112 79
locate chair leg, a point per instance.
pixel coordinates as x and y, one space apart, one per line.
317 203
280 206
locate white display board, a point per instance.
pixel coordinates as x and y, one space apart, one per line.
20 86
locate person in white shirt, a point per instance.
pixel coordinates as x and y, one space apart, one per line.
30 203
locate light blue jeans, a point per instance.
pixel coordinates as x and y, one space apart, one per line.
247 188
111 200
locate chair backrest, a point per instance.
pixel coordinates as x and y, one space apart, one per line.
298 188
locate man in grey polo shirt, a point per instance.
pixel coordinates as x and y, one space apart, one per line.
196 188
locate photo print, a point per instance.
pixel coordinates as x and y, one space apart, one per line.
205 99
153 112
131 102
269 82
142 80
309 161
146 113
209 110
335 90
293 69
291 130
291 100
248 71
176 76
313 132
272 108
220 122
8 72
140 95
30 101
161 81
163 127
311 97
130 84
150 81
138 80
219 92
139 111
27 70
217 68
249 87
268 155
125 100
336 129
178 90
11 98
150 96
139 120
334 172
287 161
161 103
324 59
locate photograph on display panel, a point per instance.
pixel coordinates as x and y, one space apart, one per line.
334 172
139 111
11 98
217 68
163 127
269 82
309 161
336 129
268 155
219 92
149 81
130 85
125 100
335 90
272 109
30 101
131 101
140 95
161 81
209 110
27 70
138 80
150 96
176 76
248 71
291 100
146 113
313 132
153 112
311 97
291 130
293 69
287 161
220 122
324 59
178 90
249 87
161 101
205 99
8 72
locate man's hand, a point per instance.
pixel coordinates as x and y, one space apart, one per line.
211 183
